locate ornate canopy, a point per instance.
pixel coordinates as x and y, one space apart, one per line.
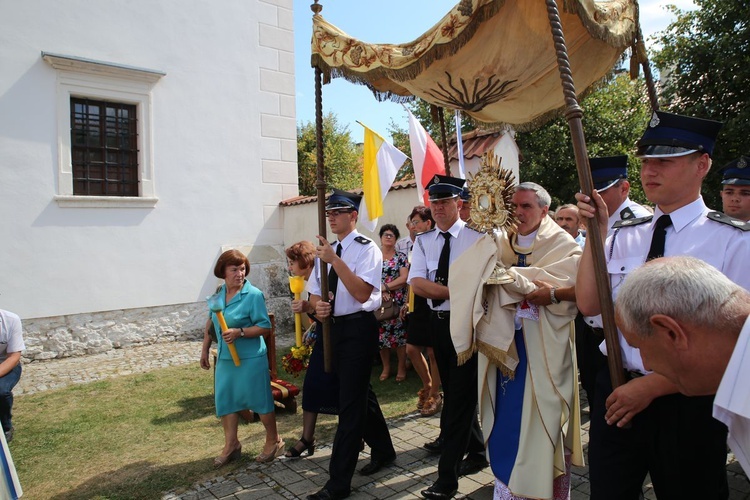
493 59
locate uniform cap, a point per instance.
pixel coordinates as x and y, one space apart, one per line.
607 170
737 171
442 186
671 135
343 200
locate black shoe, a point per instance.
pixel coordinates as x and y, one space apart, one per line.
9 434
375 465
326 494
435 447
469 466
439 492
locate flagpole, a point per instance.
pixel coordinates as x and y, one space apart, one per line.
574 113
320 185
441 118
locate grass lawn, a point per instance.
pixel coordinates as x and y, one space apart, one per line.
138 436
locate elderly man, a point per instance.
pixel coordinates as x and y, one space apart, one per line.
524 330
355 266
691 325
673 437
567 218
433 253
735 192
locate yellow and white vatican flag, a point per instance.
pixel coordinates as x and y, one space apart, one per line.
381 163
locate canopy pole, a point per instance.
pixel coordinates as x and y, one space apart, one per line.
444 139
639 49
320 185
574 113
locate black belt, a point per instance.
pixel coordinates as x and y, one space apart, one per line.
631 374
597 332
441 315
349 317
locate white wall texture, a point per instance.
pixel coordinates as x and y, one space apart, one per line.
223 145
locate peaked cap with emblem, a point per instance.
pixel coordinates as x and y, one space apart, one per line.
607 170
465 194
737 171
343 200
671 135
442 186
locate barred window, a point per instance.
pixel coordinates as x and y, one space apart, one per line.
104 148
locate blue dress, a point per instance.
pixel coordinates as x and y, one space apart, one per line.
244 387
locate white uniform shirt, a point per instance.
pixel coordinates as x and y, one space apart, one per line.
692 233
732 402
404 245
637 212
426 253
11 334
366 261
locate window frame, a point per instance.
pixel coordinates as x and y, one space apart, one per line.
84 78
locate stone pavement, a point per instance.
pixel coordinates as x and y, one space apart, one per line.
413 470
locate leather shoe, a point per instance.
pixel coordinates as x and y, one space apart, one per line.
439 493
435 447
469 466
375 465
326 494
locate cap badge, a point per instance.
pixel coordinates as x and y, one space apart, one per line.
742 163
654 121
436 179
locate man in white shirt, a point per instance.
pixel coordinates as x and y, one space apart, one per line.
673 437
11 346
696 333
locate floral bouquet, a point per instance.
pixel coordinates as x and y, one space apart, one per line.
296 360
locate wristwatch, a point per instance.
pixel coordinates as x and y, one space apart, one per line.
552 297
242 332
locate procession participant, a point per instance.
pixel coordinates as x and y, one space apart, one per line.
464 213
697 334
11 347
735 191
432 255
529 399
566 217
355 266
673 437
610 176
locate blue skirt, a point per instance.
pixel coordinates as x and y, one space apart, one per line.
244 387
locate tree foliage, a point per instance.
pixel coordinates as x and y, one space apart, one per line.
615 115
705 66
343 158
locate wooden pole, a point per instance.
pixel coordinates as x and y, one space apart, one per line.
444 139
574 113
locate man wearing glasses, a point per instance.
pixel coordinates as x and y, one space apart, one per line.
355 266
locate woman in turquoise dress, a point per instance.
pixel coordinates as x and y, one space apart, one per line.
247 386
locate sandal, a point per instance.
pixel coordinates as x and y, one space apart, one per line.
294 452
422 395
433 405
222 460
278 449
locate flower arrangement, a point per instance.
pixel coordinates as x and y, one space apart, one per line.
296 360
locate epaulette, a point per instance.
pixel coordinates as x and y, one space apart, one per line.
626 214
631 222
729 221
428 231
475 230
362 239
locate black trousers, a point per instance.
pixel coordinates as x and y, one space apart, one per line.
675 439
590 359
355 342
459 425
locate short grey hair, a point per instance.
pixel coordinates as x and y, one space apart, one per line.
567 206
687 290
542 196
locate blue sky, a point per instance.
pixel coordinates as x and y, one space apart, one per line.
390 21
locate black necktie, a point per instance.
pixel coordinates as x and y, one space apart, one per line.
660 236
333 280
441 275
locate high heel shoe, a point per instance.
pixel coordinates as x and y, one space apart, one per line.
308 446
278 449
222 460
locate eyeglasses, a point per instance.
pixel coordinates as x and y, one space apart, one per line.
334 213
414 222
388 235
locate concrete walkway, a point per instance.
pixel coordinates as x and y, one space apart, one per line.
413 470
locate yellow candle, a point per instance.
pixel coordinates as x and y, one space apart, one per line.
297 285
224 328
411 300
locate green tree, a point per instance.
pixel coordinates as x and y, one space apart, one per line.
343 158
705 65
615 114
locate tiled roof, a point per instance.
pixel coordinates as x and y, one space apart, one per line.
303 200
